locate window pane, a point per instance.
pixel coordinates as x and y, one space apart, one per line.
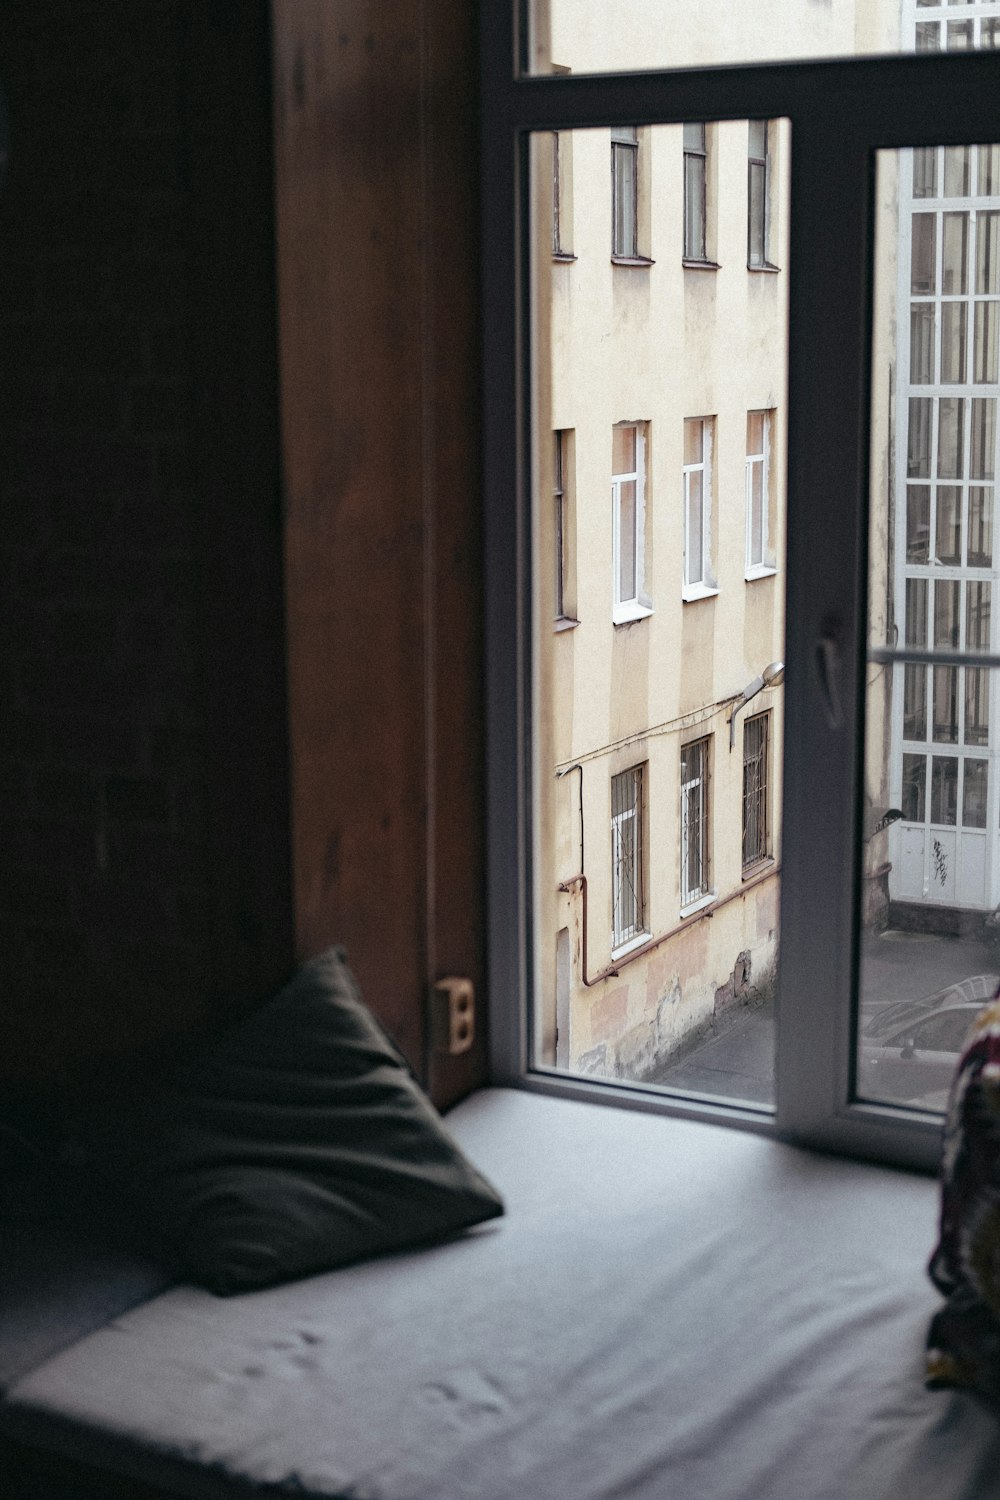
954 253
953 343
987 258
989 36
925 172
914 784
989 164
947 596
915 703
918 438
976 706
928 36
628 349
922 343
959 36
757 139
923 254
980 527
694 136
945 727
974 793
916 612
944 789
757 213
918 523
948 546
984 348
626 544
951 414
956 171
984 428
977 620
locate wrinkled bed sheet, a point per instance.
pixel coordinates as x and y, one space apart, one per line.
669 1309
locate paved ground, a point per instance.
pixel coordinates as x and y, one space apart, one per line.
738 1064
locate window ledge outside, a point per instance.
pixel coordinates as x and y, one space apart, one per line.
640 939
564 257
759 867
625 614
765 266
700 265
692 591
565 622
760 572
699 905
632 260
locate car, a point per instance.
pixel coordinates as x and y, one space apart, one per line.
910 1057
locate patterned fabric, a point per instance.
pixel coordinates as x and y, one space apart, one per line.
963 1343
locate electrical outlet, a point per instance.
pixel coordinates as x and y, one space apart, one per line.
453 1015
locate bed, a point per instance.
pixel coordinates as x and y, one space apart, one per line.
667 1308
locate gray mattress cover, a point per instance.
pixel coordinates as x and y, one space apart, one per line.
669 1309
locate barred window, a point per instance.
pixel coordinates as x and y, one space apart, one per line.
628 894
694 822
755 739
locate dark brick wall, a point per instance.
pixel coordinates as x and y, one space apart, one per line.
144 886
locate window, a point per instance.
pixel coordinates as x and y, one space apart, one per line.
758 196
698 440
694 823
696 193
559 496
755 809
625 192
840 114
564 530
628 895
759 559
628 519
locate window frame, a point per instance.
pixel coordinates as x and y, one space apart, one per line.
763 164
625 162
840 112
695 248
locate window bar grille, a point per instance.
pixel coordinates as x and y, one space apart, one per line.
754 790
628 894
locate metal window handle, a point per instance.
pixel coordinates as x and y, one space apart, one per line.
828 667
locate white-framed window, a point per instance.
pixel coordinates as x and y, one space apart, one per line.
759 556
559 518
759 195
630 599
628 884
696 192
625 192
695 830
756 735
699 441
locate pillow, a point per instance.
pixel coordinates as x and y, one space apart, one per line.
963 1344
297 1142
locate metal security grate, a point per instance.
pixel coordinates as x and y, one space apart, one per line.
628 896
694 821
755 732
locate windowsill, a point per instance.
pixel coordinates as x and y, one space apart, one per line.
762 572
627 614
760 866
699 905
765 267
565 622
640 939
564 257
640 261
693 591
701 265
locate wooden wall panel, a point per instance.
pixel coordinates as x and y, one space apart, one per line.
375 137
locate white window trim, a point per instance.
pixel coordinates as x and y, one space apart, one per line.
623 611
706 893
705 586
639 941
635 933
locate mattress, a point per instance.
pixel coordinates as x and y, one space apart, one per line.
668 1309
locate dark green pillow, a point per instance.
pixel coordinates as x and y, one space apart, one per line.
297 1142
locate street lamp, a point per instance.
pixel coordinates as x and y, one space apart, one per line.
773 675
